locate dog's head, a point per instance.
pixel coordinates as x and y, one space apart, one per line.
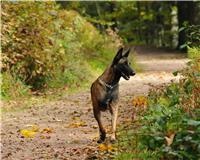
122 65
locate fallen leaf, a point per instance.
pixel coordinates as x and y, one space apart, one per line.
47 130
110 147
77 124
33 127
106 147
28 133
43 137
139 101
102 147
169 139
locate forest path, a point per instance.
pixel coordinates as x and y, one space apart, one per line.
66 129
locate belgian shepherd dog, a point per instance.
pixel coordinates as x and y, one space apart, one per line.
105 91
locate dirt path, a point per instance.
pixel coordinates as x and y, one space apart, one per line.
67 129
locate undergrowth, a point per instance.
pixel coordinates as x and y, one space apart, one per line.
45 48
169 127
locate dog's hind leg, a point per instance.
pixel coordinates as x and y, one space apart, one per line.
114 113
102 132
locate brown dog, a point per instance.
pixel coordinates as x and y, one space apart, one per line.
105 90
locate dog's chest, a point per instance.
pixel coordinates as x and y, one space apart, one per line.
109 96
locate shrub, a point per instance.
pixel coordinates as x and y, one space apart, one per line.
13 87
27 50
170 126
193 35
193 52
44 46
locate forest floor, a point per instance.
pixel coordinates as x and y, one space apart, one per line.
66 128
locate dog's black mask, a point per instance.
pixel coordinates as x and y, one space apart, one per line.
122 65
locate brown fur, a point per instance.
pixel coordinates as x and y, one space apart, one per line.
105 91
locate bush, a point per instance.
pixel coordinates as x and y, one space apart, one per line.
193 52
13 87
27 49
170 126
44 46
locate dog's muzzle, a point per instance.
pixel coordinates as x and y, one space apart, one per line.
132 73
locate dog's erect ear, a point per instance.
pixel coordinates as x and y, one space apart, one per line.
118 56
127 53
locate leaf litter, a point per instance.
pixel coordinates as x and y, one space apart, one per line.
32 130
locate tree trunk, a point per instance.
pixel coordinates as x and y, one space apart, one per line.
186 11
113 19
139 30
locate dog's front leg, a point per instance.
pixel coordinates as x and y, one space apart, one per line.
114 113
97 115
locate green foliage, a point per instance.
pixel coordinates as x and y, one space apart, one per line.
193 52
193 35
138 22
13 87
193 39
44 46
170 127
193 42
26 44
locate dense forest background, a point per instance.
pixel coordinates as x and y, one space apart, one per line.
158 24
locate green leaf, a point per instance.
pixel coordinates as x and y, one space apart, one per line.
181 29
175 73
183 46
193 122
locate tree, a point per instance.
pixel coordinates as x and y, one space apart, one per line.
151 23
186 14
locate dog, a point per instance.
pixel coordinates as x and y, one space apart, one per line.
105 91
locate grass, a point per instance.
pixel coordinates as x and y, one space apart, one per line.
19 102
40 98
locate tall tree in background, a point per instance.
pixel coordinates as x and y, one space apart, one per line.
151 23
186 16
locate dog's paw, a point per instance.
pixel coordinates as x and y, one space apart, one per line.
102 138
100 141
113 139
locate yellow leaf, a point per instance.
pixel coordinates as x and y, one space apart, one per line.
77 124
109 147
47 130
106 147
35 128
102 147
139 101
42 137
28 133
170 139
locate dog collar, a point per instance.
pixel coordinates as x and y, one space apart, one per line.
107 85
